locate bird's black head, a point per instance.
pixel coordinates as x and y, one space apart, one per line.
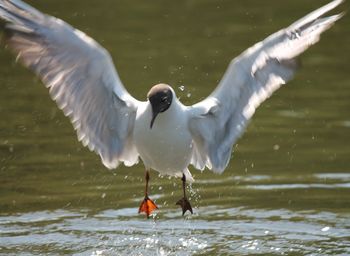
160 96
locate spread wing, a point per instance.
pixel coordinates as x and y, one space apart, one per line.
80 76
219 120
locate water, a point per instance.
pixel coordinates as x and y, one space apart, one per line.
286 190
211 230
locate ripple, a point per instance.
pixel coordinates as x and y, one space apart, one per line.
246 178
298 186
291 113
112 232
211 230
333 176
346 123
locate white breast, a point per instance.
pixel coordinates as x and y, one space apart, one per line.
166 147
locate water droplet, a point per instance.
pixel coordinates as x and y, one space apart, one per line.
276 147
325 229
182 88
98 253
189 95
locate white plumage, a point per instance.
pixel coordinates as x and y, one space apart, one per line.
167 147
82 80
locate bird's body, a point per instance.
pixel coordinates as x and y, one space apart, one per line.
166 147
164 133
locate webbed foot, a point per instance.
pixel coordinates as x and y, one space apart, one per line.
185 205
147 206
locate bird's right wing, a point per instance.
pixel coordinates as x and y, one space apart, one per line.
81 77
219 120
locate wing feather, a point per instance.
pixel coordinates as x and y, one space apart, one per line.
81 79
219 120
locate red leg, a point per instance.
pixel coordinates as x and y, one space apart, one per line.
147 205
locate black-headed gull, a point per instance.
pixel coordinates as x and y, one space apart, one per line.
167 135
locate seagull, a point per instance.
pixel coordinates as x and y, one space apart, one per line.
165 134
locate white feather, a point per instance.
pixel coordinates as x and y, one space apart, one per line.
249 80
81 78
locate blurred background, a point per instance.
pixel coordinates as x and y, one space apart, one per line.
286 190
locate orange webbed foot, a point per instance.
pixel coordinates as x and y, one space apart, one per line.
147 206
185 205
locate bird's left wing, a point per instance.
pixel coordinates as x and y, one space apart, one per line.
81 77
219 120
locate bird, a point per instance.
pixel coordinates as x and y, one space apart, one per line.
165 134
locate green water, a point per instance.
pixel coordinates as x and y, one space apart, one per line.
286 190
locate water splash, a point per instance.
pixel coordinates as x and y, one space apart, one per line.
181 88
